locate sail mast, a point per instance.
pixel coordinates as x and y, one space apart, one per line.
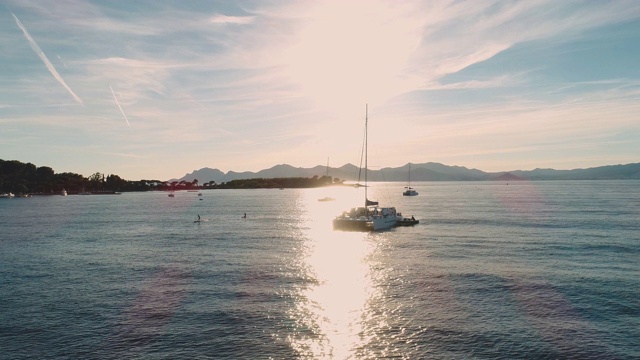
366 152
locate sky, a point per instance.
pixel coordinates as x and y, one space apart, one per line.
157 89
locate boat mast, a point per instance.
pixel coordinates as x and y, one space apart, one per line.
366 152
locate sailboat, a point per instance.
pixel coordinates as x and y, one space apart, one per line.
327 198
370 217
409 190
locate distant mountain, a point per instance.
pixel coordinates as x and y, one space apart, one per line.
420 172
508 177
610 172
203 175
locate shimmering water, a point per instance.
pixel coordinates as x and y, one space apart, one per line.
542 270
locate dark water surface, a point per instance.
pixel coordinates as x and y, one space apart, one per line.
528 270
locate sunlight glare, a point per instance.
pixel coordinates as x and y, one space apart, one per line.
349 53
335 305
343 288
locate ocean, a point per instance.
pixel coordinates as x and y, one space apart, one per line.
494 270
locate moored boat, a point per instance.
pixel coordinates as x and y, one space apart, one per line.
367 218
370 217
326 198
409 191
407 221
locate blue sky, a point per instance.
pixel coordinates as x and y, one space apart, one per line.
157 89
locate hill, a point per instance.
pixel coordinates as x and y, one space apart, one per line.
420 172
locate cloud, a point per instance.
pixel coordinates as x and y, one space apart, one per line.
497 82
239 20
457 35
119 107
46 61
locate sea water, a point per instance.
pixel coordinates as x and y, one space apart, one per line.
494 270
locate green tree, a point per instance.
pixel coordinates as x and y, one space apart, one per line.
116 183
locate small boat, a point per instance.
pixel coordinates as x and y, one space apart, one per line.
407 221
63 192
327 198
172 195
409 190
7 195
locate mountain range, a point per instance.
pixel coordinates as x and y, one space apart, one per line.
419 172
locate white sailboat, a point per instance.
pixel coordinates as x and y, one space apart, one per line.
370 217
409 191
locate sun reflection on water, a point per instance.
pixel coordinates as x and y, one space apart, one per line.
332 309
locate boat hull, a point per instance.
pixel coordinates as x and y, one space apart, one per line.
407 222
384 222
350 224
370 219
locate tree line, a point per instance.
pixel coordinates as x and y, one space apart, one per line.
25 178
274 183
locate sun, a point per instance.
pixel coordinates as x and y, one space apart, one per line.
350 53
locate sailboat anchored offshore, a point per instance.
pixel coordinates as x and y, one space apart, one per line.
370 217
409 190
327 198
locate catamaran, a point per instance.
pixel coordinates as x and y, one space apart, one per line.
370 217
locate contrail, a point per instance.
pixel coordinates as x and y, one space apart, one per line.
119 107
44 59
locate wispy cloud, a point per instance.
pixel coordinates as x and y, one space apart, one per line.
225 19
119 107
46 61
457 35
500 81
